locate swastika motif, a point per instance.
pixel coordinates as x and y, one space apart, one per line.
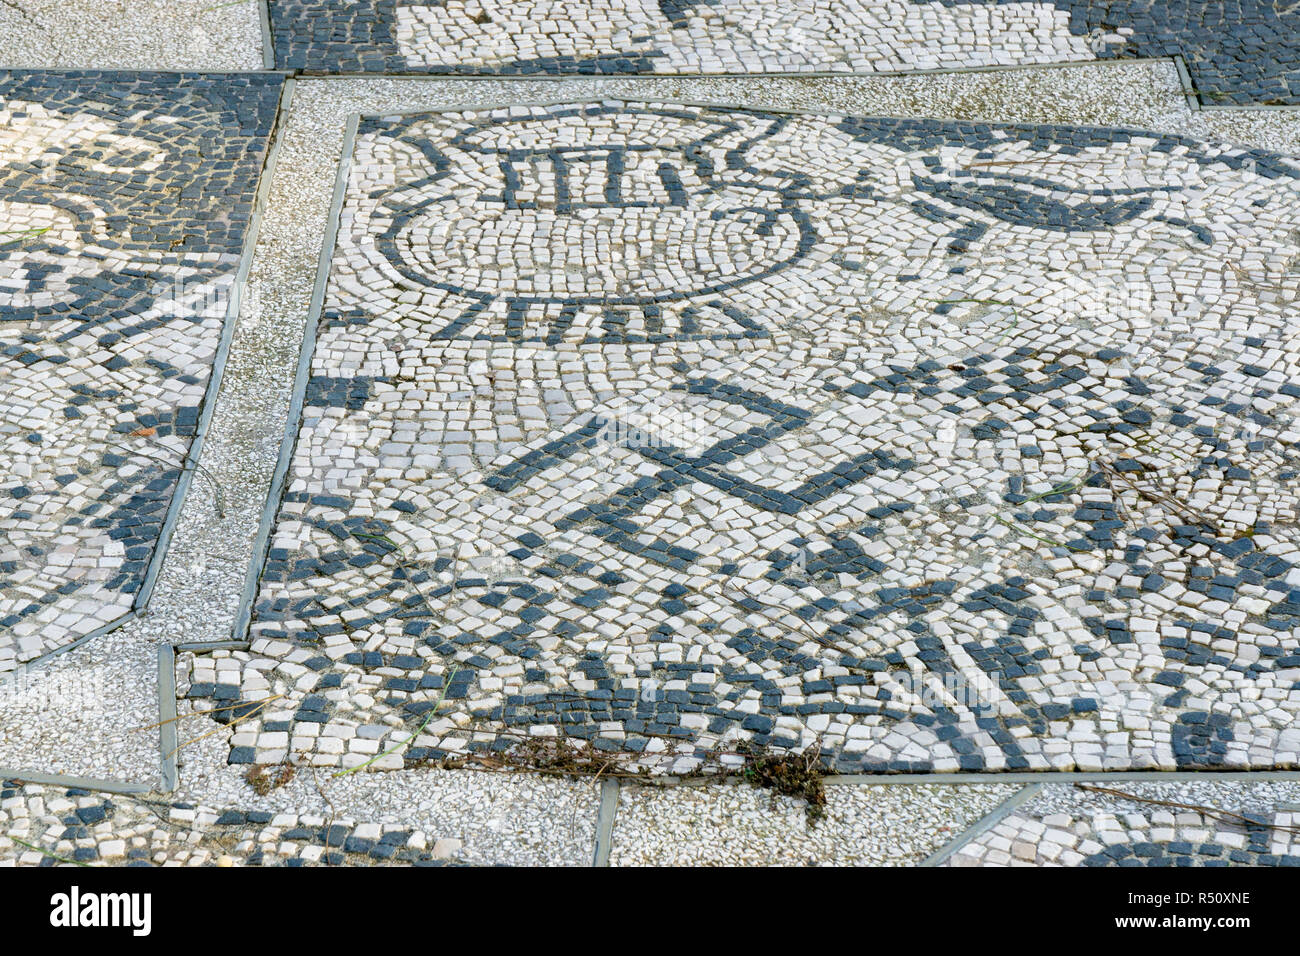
672 429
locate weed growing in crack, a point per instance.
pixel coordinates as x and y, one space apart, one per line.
264 778
798 775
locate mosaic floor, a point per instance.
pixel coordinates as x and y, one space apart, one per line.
50 827
634 423
1159 826
607 406
1247 51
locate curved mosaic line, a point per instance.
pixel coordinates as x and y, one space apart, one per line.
641 175
1245 52
997 473
126 200
1131 834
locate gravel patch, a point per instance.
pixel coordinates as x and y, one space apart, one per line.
132 34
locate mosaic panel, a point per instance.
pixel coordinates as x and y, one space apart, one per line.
677 431
1245 51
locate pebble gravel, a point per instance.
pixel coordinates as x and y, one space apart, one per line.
739 825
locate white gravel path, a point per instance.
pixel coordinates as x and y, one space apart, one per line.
208 35
739 825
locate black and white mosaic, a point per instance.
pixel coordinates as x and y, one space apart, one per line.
56 826
1238 52
936 445
1161 829
126 199
1246 51
663 36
